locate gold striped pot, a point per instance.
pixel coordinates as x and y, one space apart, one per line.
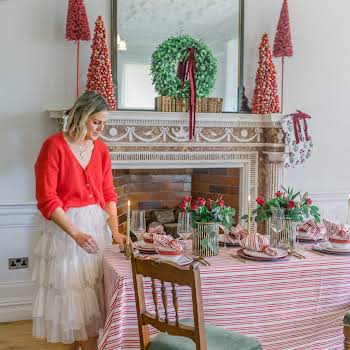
205 239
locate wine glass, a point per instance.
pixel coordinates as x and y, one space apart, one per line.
277 226
184 226
138 223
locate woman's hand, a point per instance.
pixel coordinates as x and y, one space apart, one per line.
86 242
120 239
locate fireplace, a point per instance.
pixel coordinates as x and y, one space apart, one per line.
150 143
153 189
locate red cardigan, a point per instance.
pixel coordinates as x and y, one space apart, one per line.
62 182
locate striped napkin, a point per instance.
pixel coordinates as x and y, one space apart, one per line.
254 241
165 242
238 232
312 229
336 231
159 229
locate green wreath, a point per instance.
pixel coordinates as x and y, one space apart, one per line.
165 60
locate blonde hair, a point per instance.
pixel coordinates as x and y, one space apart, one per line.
88 103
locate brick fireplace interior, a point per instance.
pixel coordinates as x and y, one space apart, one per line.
150 189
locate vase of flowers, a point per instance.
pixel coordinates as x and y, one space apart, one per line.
207 215
286 209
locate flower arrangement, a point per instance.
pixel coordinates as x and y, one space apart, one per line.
297 207
204 211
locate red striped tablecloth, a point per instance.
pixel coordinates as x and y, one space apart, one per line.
287 305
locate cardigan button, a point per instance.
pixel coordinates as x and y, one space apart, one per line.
87 184
90 195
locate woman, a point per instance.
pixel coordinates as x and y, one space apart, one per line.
73 184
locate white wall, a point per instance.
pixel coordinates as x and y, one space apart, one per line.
37 72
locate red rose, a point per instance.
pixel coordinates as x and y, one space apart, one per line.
201 201
221 203
194 206
209 206
278 194
183 205
291 204
187 199
309 201
260 201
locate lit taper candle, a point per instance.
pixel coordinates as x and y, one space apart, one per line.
128 225
249 215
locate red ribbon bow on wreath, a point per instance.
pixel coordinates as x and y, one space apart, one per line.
186 70
297 117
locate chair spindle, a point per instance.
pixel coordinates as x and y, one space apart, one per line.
165 301
155 298
175 303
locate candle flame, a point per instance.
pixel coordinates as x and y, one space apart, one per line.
128 203
249 198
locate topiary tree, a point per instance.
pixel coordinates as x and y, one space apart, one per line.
283 42
99 76
265 98
77 28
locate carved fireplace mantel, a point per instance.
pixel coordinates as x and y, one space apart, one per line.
148 140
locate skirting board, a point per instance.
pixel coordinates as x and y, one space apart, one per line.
15 309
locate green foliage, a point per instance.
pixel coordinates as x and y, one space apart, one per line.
297 207
205 211
164 64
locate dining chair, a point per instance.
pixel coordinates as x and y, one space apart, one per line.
175 333
346 330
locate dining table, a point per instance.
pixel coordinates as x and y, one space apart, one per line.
292 303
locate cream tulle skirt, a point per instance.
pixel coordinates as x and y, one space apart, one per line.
68 298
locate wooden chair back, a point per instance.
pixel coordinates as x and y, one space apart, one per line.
167 272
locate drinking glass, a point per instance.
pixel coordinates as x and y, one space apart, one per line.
138 223
277 226
184 227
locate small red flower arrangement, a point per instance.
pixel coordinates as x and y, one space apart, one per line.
297 207
203 210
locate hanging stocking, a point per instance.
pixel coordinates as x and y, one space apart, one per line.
298 140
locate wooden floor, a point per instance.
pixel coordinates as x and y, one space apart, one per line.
18 336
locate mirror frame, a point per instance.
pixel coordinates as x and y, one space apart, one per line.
114 51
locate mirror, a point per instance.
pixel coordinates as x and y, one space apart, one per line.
140 26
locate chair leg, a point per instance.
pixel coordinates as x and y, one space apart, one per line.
346 337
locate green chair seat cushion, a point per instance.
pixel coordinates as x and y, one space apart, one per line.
347 318
217 339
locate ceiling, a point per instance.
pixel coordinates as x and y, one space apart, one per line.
147 23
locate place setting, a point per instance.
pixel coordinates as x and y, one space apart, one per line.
337 239
156 244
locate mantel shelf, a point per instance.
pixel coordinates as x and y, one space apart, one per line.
176 118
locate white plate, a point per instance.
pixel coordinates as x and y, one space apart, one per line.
327 245
281 253
221 240
145 245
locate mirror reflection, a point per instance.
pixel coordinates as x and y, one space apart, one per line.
142 25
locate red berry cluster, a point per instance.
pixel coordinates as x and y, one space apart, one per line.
283 39
99 76
265 98
77 25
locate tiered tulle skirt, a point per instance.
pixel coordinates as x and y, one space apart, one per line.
68 299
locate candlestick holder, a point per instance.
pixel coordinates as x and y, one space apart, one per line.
127 249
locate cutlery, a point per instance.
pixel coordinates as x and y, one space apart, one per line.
315 252
296 254
196 259
238 258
